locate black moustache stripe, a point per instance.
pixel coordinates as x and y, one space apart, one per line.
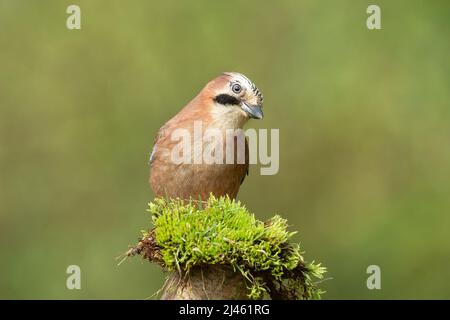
226 99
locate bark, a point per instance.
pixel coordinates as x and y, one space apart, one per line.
205 283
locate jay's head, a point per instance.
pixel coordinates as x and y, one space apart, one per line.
235 99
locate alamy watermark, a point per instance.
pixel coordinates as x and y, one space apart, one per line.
374 280
373 22
219 146
73 281
73 21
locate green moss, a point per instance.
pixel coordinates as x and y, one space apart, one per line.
224 232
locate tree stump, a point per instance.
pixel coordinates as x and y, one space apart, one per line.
205 283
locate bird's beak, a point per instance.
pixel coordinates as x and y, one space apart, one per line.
254 111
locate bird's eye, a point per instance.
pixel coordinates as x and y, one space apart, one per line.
236 88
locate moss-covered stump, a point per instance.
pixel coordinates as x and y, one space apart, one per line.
219 250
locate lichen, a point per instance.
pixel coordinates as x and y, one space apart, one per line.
222 231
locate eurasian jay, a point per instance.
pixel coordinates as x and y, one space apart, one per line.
226 102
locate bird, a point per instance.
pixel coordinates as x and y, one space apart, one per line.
226 102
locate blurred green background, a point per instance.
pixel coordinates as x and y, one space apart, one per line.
364 121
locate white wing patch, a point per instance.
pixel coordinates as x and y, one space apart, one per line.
152 155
